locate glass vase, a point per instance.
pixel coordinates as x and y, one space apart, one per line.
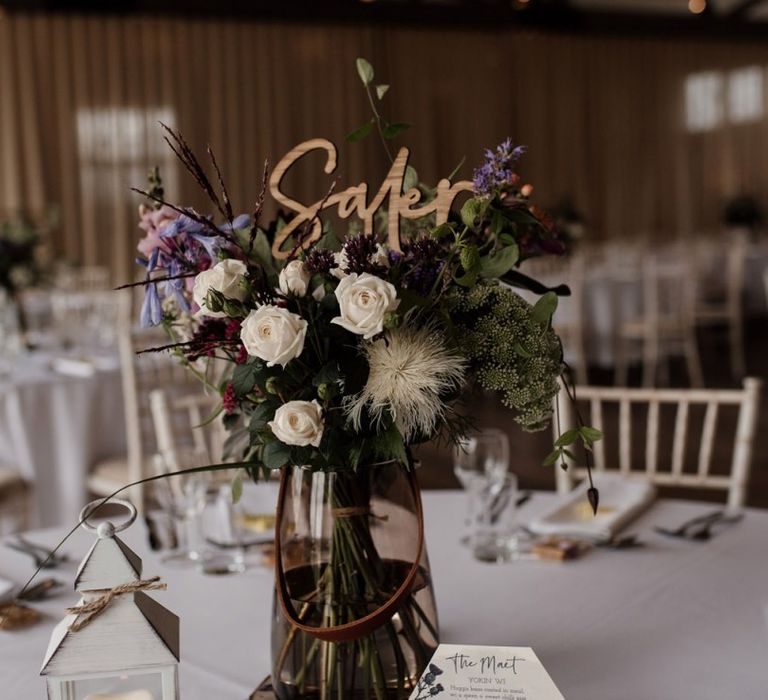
354 611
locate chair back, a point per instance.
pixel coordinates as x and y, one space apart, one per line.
679 409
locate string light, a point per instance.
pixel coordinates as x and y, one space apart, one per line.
697 6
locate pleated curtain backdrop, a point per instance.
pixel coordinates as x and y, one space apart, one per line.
604 119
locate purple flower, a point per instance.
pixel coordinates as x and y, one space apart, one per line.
497 171
152 308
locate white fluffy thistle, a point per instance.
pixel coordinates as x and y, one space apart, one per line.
409 370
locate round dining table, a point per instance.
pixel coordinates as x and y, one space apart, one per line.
59 415
673 619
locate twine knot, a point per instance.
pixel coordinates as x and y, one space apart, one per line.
89 611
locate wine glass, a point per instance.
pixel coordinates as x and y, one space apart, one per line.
480 464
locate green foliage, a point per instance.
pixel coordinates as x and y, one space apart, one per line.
510 351
365 71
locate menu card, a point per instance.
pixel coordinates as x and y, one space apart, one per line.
479 673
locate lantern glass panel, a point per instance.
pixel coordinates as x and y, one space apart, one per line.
143 686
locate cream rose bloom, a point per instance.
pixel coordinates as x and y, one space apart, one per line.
294 278
364 300
298 423
273 334
224 277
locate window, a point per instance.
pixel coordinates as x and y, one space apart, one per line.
118 145
704 101
714 97
745 95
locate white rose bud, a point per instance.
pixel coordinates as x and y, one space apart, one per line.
298 423
364 301
294 278
224 277
273 334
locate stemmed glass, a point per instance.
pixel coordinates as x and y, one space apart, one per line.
480 464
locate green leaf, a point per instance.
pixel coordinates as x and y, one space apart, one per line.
365 71
551 458
442 231
360 133
507 238
567 438
381 90
472 211
455 171
590 434
244 378
262 414
276 454
469 257
468 279
237 487
263 250
411 178
498 264
497 223
328 374
390 131
520 350
544 308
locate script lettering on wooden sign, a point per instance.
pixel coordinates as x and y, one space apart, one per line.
354 199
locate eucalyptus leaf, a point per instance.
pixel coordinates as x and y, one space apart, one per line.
276 454
365 71
381 90
551 458
361 132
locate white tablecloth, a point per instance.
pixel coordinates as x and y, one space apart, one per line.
674 620
53 428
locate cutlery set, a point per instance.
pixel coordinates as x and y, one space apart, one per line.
701 528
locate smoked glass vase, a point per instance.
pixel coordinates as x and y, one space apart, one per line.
354 611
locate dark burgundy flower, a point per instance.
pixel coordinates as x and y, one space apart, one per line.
228 400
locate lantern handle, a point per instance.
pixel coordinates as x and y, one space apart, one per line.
107 529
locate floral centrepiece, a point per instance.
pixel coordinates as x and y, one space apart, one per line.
344 355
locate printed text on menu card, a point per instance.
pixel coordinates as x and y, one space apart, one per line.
463 672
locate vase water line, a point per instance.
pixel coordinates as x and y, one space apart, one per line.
354 613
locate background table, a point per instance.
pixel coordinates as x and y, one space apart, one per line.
674 620
54 427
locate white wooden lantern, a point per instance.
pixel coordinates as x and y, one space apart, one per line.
129 650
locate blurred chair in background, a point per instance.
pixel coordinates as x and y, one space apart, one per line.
652 400
666 325
140 375
719 291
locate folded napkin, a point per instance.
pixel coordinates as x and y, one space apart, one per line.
622 499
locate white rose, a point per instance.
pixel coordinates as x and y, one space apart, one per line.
224 277
364 300
294 278
273 334
298 423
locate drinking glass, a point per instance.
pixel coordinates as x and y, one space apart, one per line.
480 464
497 536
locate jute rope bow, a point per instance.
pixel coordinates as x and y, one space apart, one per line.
88 612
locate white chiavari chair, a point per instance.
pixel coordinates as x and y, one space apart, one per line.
666 325
662 410
723 304
140 374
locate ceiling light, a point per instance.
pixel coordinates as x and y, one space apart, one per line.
697 6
